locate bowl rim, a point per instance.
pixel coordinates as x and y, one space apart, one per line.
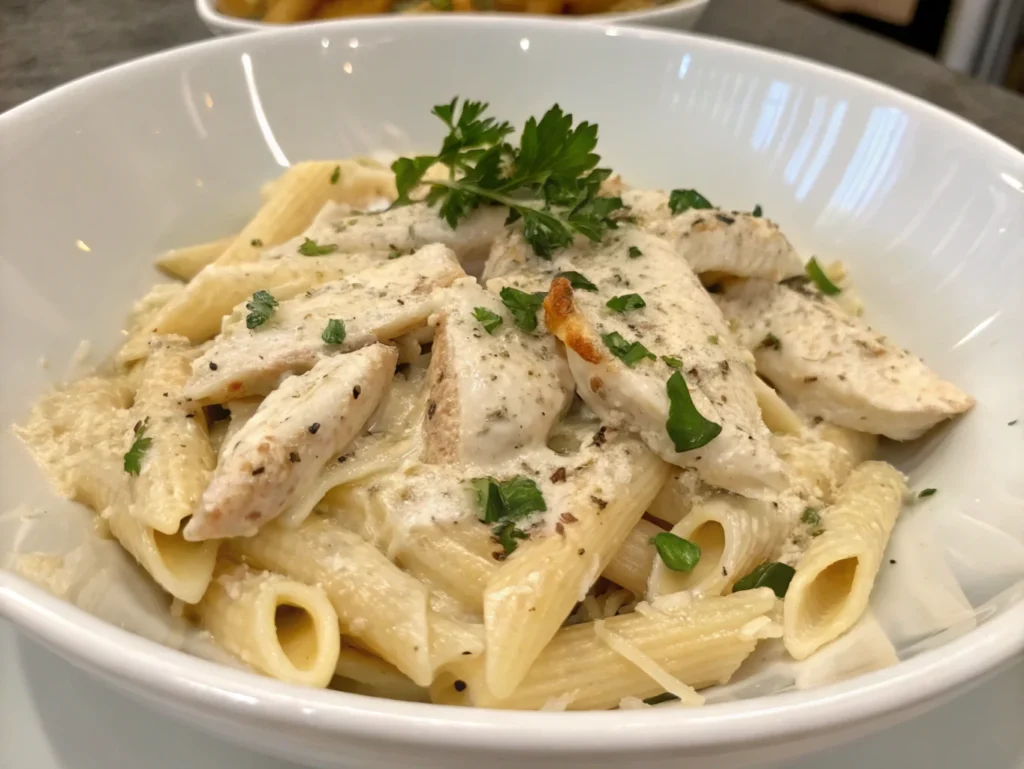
208 13
154 668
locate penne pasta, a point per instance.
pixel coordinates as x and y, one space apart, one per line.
631 566
185 263
364 673
281 627
834 577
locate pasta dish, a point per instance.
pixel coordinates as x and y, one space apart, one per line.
494 428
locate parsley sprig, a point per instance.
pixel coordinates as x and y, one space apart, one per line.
505 502
550 181
261 307
133 457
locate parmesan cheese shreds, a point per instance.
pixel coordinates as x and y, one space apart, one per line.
761 627
673 602
561 702
616 601
686 694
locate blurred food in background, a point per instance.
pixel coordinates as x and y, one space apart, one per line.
289 11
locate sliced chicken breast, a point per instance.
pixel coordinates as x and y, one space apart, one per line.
279 453
832 365
681 328
398 230
712 240
492 394
375 305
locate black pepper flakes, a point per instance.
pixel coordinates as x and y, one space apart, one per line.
560 528
213 366
568 518
190 415
259 471
725 219
313 428
558 476
1012 422
356 392
294 457
809 379
892 561
601 504
600 437
581 551
431 409
342 459
460 685
723 366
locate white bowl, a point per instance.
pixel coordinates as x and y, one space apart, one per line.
928 210
673 14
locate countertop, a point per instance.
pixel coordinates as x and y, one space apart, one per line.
44 43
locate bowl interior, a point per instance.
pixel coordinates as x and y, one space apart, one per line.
927 211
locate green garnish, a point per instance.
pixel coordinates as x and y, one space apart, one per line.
550 181
310 247
684 200
672 362
657 699
635 253
334 331
256 243
133 457
821 280
504 503
713 339
810 516
926 493
771 341
523 306
687 428
489 320
395 255
625 302
260 309
773 574
577 281
335 174
757 211
629 353
678 554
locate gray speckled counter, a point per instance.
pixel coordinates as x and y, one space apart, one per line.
44 43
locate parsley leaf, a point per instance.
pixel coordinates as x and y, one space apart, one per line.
312 248
678 554
772 574
771 341
395 255
625 302
488 499
507 534
821 280
925 493
133 457
683 200
757 212
576 280
635 253
657 699
489 320
523 306
687 428
810 516
713 339
672 362
520 496
629 353
336 175
505 502
260 309
334 331
550 181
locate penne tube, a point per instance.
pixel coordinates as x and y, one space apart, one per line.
631 565
834 577
696 644
776 413
283 628
364 673
185 263
677 496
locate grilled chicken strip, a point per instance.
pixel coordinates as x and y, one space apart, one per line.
399 230
712 240
273 459
491 394
375 305
679 322
830 364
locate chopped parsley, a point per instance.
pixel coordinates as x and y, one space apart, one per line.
635 253
395 255
713 339
821 280
772 574
256 243
310 247
672 362
687 428
334 331
550 181
810 516
577 281
677 553
260 309
336 175
683 200
629 353
133 457
657 699
771 341
625 303
489 320
925 493
523 306
757 212
505 502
